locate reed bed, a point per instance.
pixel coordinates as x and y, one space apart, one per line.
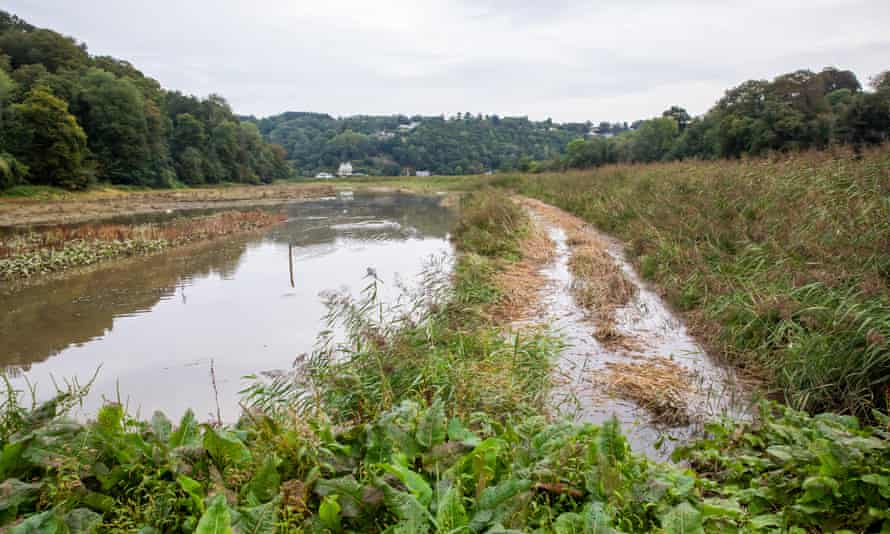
60 248
781 266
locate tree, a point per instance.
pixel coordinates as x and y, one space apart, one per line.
679 115
113 115
46 138
654 139
44 47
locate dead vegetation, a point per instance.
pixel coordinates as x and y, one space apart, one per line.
658 384
520 282
598 283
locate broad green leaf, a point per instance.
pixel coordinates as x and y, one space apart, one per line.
413 481
350 493
881 481
458 432
683 519
216 519
194 490
16 495
82 521
597 520
261 519
569 523
329 513
450 511
44 523
224 447
431 428
265 483
767 520
495 496
404 506
727 508
188 433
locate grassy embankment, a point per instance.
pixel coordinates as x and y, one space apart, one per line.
781 266
428 424
51 250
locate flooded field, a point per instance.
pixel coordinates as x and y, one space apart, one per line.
152 326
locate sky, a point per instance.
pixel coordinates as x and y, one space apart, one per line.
569 60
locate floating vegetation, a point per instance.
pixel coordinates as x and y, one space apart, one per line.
658 384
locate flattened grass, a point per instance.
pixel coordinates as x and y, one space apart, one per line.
782 265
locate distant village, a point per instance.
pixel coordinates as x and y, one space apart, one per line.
346 171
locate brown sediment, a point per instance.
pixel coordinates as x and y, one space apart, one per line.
599 284
521 282
657 384
97 205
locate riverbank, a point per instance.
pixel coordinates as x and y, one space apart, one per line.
780 267
27 258
50 207
428 421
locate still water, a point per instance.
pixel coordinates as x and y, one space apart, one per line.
153 325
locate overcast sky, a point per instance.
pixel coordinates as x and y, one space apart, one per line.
571 60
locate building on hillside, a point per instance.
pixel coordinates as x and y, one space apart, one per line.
345 169
383 135
408 127
324 175
423 174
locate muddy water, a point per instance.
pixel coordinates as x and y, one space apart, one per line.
154 324
580 394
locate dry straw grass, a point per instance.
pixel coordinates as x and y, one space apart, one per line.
658 384
598 284
520 282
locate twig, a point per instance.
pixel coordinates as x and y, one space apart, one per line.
215 394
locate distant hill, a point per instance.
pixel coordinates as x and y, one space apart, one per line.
68 119
392 145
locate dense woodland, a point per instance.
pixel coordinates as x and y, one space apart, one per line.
70 119
795 111
392 145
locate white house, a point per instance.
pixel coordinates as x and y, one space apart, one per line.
324 175
408 127
345 169
423 174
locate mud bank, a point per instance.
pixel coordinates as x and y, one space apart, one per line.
648 372
96 206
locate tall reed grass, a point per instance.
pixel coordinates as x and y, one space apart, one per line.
781 265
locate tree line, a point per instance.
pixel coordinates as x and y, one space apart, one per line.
70 119
464 143
795 111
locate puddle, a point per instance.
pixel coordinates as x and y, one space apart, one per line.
579 392
249 303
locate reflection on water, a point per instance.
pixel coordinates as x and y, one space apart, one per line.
248 303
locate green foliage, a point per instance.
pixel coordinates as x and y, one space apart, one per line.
72 117
490 225
47 139
378 146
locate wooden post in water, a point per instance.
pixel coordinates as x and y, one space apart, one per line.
290 262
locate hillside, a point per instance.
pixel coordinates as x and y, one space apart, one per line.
70 119
392 145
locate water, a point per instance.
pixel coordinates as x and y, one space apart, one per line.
579 393
154 324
